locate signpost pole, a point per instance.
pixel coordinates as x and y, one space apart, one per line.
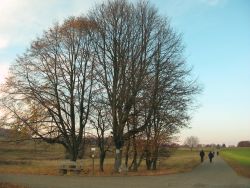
93 160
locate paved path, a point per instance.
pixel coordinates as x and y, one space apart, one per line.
215 175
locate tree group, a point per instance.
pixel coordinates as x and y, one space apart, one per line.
119 70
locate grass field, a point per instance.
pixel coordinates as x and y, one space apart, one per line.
41 158
238 159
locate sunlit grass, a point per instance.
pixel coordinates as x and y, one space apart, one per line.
46 159
239 159
181 161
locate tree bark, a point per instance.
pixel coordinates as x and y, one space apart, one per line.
102 158
118 160
134 165
127 154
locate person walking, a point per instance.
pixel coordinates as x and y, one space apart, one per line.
210 155
202 154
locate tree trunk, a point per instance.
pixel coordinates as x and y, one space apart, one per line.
118 160
148 160
140 160
81 151
154 164
148 164
102 158
135 164
73 155
127 153
155 157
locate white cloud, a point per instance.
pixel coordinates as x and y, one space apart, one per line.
23 20
4 42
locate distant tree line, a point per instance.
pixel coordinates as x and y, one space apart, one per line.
244 144
117 73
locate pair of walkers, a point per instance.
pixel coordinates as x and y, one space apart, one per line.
210 156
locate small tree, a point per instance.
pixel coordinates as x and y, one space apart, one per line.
102 125
192 142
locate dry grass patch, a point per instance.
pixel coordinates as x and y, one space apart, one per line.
180 161
10 185
41 167
44 159
177 163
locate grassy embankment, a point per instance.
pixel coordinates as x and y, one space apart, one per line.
30 158
238 159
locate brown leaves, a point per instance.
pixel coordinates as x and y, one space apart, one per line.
79 24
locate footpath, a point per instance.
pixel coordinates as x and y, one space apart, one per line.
207 175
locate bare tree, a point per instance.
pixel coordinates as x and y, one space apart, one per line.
192 142
50 87
170 97
130 40
124 49
101 122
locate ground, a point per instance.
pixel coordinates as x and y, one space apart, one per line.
207 175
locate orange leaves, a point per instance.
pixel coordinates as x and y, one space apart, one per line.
77 23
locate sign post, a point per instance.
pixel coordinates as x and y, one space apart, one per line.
93 159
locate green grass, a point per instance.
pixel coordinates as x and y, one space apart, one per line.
241 155
238 159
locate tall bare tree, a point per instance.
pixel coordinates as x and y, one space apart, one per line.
130 39
50 87
124 50
170 97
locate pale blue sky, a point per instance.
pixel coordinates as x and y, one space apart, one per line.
216 34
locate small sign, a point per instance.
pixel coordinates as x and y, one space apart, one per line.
93 156
92 149
117 151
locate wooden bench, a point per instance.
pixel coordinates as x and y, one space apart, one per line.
67 169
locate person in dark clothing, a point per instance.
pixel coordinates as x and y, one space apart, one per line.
202 154
210 155
217 153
